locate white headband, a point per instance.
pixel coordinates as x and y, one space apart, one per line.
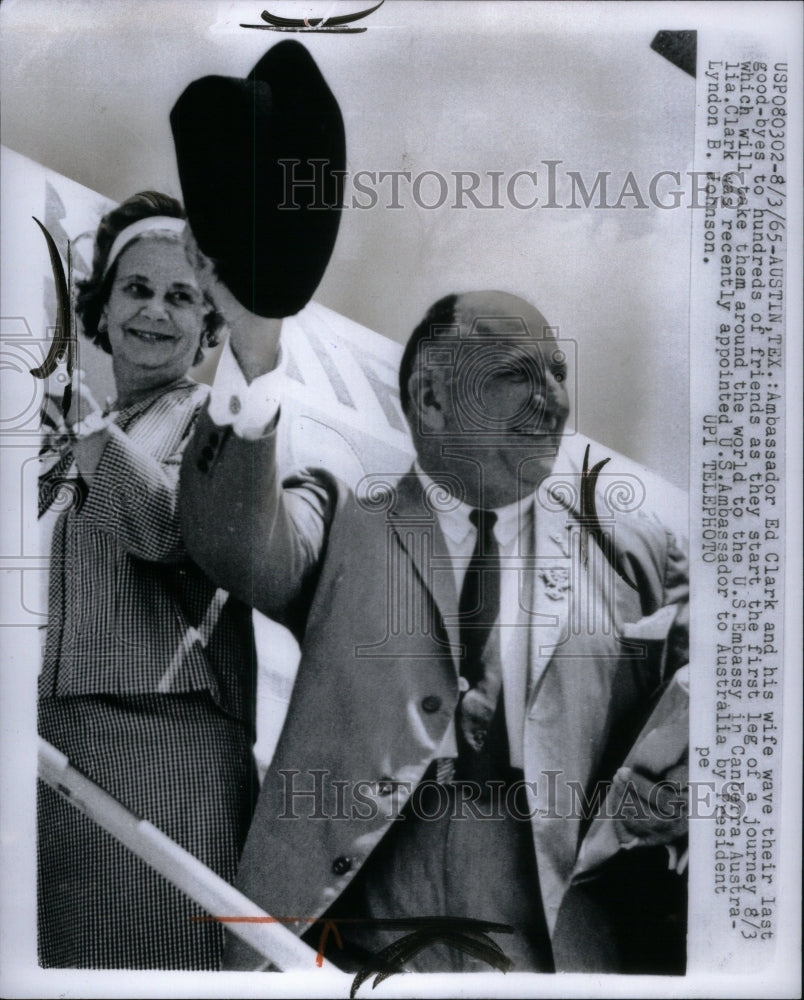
153 223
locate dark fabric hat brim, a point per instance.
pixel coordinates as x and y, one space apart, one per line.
245 149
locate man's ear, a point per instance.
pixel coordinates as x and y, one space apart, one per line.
427 402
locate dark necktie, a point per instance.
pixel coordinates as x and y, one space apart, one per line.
479 609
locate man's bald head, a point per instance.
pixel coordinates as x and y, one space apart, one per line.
483 373
491 314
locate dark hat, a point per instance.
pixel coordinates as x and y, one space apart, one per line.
269 225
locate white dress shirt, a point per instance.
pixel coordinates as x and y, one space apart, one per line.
250 409
513 530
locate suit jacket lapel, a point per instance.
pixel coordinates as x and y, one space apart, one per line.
551 583
416 525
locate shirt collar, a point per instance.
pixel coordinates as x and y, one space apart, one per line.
147 398
454 520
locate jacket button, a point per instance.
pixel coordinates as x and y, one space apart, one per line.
431 703
341 865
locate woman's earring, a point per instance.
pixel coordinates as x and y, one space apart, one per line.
102 327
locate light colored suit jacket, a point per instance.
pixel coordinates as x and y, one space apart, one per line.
363 578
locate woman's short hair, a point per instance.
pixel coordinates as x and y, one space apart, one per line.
94 291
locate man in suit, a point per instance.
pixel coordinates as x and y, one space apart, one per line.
481 639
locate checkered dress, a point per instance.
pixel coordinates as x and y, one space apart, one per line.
147 686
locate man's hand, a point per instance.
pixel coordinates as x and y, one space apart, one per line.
254 339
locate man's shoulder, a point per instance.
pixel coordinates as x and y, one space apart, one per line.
366 498
383 495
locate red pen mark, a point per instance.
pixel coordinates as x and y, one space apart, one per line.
463 933
251 920
329 925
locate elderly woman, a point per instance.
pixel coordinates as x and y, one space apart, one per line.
147 681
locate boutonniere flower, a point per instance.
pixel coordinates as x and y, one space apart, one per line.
556 580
